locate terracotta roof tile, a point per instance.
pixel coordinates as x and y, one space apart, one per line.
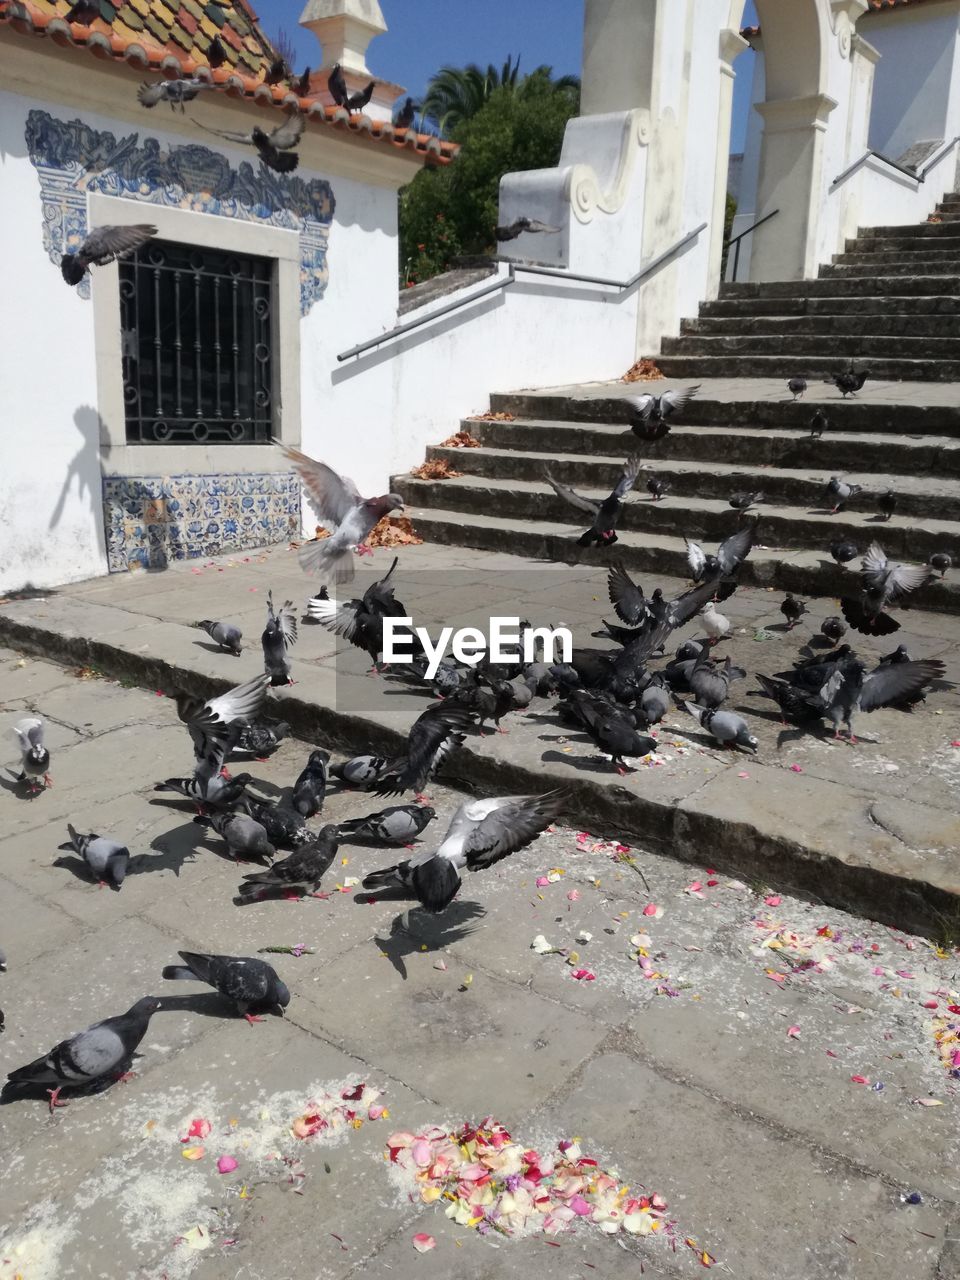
170 37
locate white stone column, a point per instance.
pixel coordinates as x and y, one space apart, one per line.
345 28
732 44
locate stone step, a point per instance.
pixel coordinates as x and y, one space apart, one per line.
907 538
857 347
893 286
855 414
835 451
912 231
852 324
708 478
891 305
695 367
855 266
917 252
809 573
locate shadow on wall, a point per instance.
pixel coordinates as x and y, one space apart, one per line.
84 466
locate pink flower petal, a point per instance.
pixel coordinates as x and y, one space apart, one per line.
584 975
423 1243
860 1079
929 1004
199 1129
542 882
422 1153
773 900
793 1033
580 1206
651 909
226 1164
795 768
573 895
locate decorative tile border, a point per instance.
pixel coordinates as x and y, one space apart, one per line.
72 159
151 520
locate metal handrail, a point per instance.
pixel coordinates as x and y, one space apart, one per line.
918 175
735 240
510 278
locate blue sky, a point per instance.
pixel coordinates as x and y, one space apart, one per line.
425 35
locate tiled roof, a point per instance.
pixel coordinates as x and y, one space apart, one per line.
171 38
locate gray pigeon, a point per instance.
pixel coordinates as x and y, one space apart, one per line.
942 561
433 736
282 825
839 492
729 729
90 1057
214 728
654 702
262 739
337 503
35 758
252 984
398 824
103 245
310 788
745 499
176 92
649 415
361 771
606 513
276 148
225 634
106 859
279 635
797 386
245 836
883 584
481 833
731 553
710 684
300 873
851 689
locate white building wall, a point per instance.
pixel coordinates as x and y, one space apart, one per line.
917 80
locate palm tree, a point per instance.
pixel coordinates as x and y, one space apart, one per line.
457 93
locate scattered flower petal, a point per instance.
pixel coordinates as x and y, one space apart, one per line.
193 1153
226 1164
423 1243
793 1033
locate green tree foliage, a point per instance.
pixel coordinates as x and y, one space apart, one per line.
453 210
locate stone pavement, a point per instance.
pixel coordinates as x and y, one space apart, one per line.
717 1060
872 828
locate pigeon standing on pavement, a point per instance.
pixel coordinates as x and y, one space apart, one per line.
833 629
710 684
361 771
818 424
214 729
839 492
717 625
887 504
851 688
337 502
793 610
276 148
850 381
279 636
649 414
90 1057
729 729
103 245
225 634
245 837
606 513
251 983
398 824
481 833
34 757
797 386
310 788
282 825
106 859
261 739
300 873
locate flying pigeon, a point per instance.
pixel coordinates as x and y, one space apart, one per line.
275 149
106 859
245 837
481 833
252 984
850 382
34 756
887 504
797 386
840 493
399 824
405 116
883 584
710 684
361 771
361 621
532 226
731 554
299 873
103 245
833 629
310 788
843 551
279 635
90 1057
743 501
606 513
337 502
214 728
341 95
793 610
851 689
176 92
648 414
225 634
941 561
432 738
657 488
729 729
818 424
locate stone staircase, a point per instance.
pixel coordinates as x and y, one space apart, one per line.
879 304
746 435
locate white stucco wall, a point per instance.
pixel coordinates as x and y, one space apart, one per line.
50 494
917 85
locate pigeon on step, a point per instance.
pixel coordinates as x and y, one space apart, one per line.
251 983
90 1058
883 584
716 625
818 424
729 729
657 488
797 386
606 513
310 788
793 610
839 492
432 738
34 758
106 859
850 381
225 634
300 873
398 824
649 415
941 561
744 500
887 504
843 551
481 834
279 636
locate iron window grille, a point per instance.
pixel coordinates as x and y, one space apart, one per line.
196 328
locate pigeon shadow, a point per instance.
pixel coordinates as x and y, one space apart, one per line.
877 520
208 1004
588 764
214 648
78 868
173 848
21 790
427 931
782 627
